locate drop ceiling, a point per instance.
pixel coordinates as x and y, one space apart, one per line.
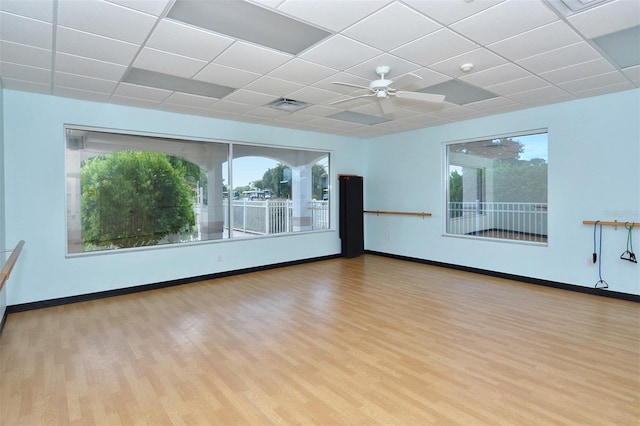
162 54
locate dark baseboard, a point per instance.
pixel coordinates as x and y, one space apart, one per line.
4 319
520 278
146 287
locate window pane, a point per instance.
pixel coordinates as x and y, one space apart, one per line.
127 191
278 190
497 188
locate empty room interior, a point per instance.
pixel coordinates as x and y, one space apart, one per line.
319 212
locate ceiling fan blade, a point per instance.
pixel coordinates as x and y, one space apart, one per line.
419 96
339 101
406 80
386 106
350 85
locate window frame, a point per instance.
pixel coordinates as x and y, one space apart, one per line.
446 187
228 175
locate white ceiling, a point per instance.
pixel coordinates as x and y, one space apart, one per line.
524 51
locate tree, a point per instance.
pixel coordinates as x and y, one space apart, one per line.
278 181
133 198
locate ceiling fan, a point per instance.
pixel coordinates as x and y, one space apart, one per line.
381 90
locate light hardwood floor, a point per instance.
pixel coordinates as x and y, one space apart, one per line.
358 341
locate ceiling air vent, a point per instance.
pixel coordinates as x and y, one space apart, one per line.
288 105
569 7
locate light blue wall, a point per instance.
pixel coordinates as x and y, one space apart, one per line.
594 153
35 199
3 243
594 160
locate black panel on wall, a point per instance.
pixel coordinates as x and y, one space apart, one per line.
351 215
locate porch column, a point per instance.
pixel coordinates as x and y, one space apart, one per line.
212 217
301 196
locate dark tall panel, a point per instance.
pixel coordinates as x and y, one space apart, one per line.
351 216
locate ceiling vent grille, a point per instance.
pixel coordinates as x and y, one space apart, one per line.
570 7
288 105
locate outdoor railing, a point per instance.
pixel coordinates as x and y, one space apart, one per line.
522 221
273 216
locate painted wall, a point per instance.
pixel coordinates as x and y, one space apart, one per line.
594 159
3 242
35 199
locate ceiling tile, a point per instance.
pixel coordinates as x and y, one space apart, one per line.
560 58
81 94
25 86
313 95
25 55
31 32
548 37
398 67
494 104
505 20
496 75
620 15
435 47
340 15
189 100
578 71
180 109
248 97
340 53
481 59
79 82
548 94
252 58
41 10
93 46
152 7
603 90
226 76
147 93
134 102
593 82
302 72
273 86
89 67
123 23
407 25
22 72
633 74
168 63
231 107
519 85
170 36
447 11
343 77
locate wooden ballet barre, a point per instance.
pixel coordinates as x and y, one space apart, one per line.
5 272
593 222
398 213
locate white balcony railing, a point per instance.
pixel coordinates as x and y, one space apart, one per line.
519 221
272 216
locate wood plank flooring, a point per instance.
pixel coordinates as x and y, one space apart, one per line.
361 341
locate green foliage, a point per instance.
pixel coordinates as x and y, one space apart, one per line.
278 181
455 187
519 181
132 199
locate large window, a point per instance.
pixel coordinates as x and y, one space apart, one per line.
126 191
497 188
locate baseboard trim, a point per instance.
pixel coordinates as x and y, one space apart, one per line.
520 278
3 321
153 286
